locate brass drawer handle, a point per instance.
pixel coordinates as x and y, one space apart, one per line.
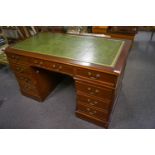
93 103
15 57
97 75
41 63
96 91
60 67
92 113
89 73
19 69
93 77
89 88
92 92
54 66
88 100
88 109
27 80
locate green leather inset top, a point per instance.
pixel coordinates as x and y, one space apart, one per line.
88 49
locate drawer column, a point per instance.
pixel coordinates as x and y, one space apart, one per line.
94 102
35 82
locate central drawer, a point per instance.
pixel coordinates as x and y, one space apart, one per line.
53 66
62 68
102 92
26 79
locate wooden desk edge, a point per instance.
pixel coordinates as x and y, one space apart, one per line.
111 70
120 64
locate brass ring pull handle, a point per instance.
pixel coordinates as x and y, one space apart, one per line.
96 91
92 113
15 57
19 69
60 67
97 75
89 73
53 65
89 88
93 77
88 109
38 62
41 62
88 100
92 91
92 103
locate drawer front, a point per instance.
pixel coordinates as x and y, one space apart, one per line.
21 69
90 101
102 92
58 67
26 79
29 89
14 58
97 76
53 66
102 115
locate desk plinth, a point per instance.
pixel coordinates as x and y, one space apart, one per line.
97 86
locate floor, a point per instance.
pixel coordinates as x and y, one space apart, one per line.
135 108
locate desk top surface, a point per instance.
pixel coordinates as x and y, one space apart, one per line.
96 50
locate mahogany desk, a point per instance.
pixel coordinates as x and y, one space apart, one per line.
95 63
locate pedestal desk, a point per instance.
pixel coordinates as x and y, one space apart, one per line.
95 63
